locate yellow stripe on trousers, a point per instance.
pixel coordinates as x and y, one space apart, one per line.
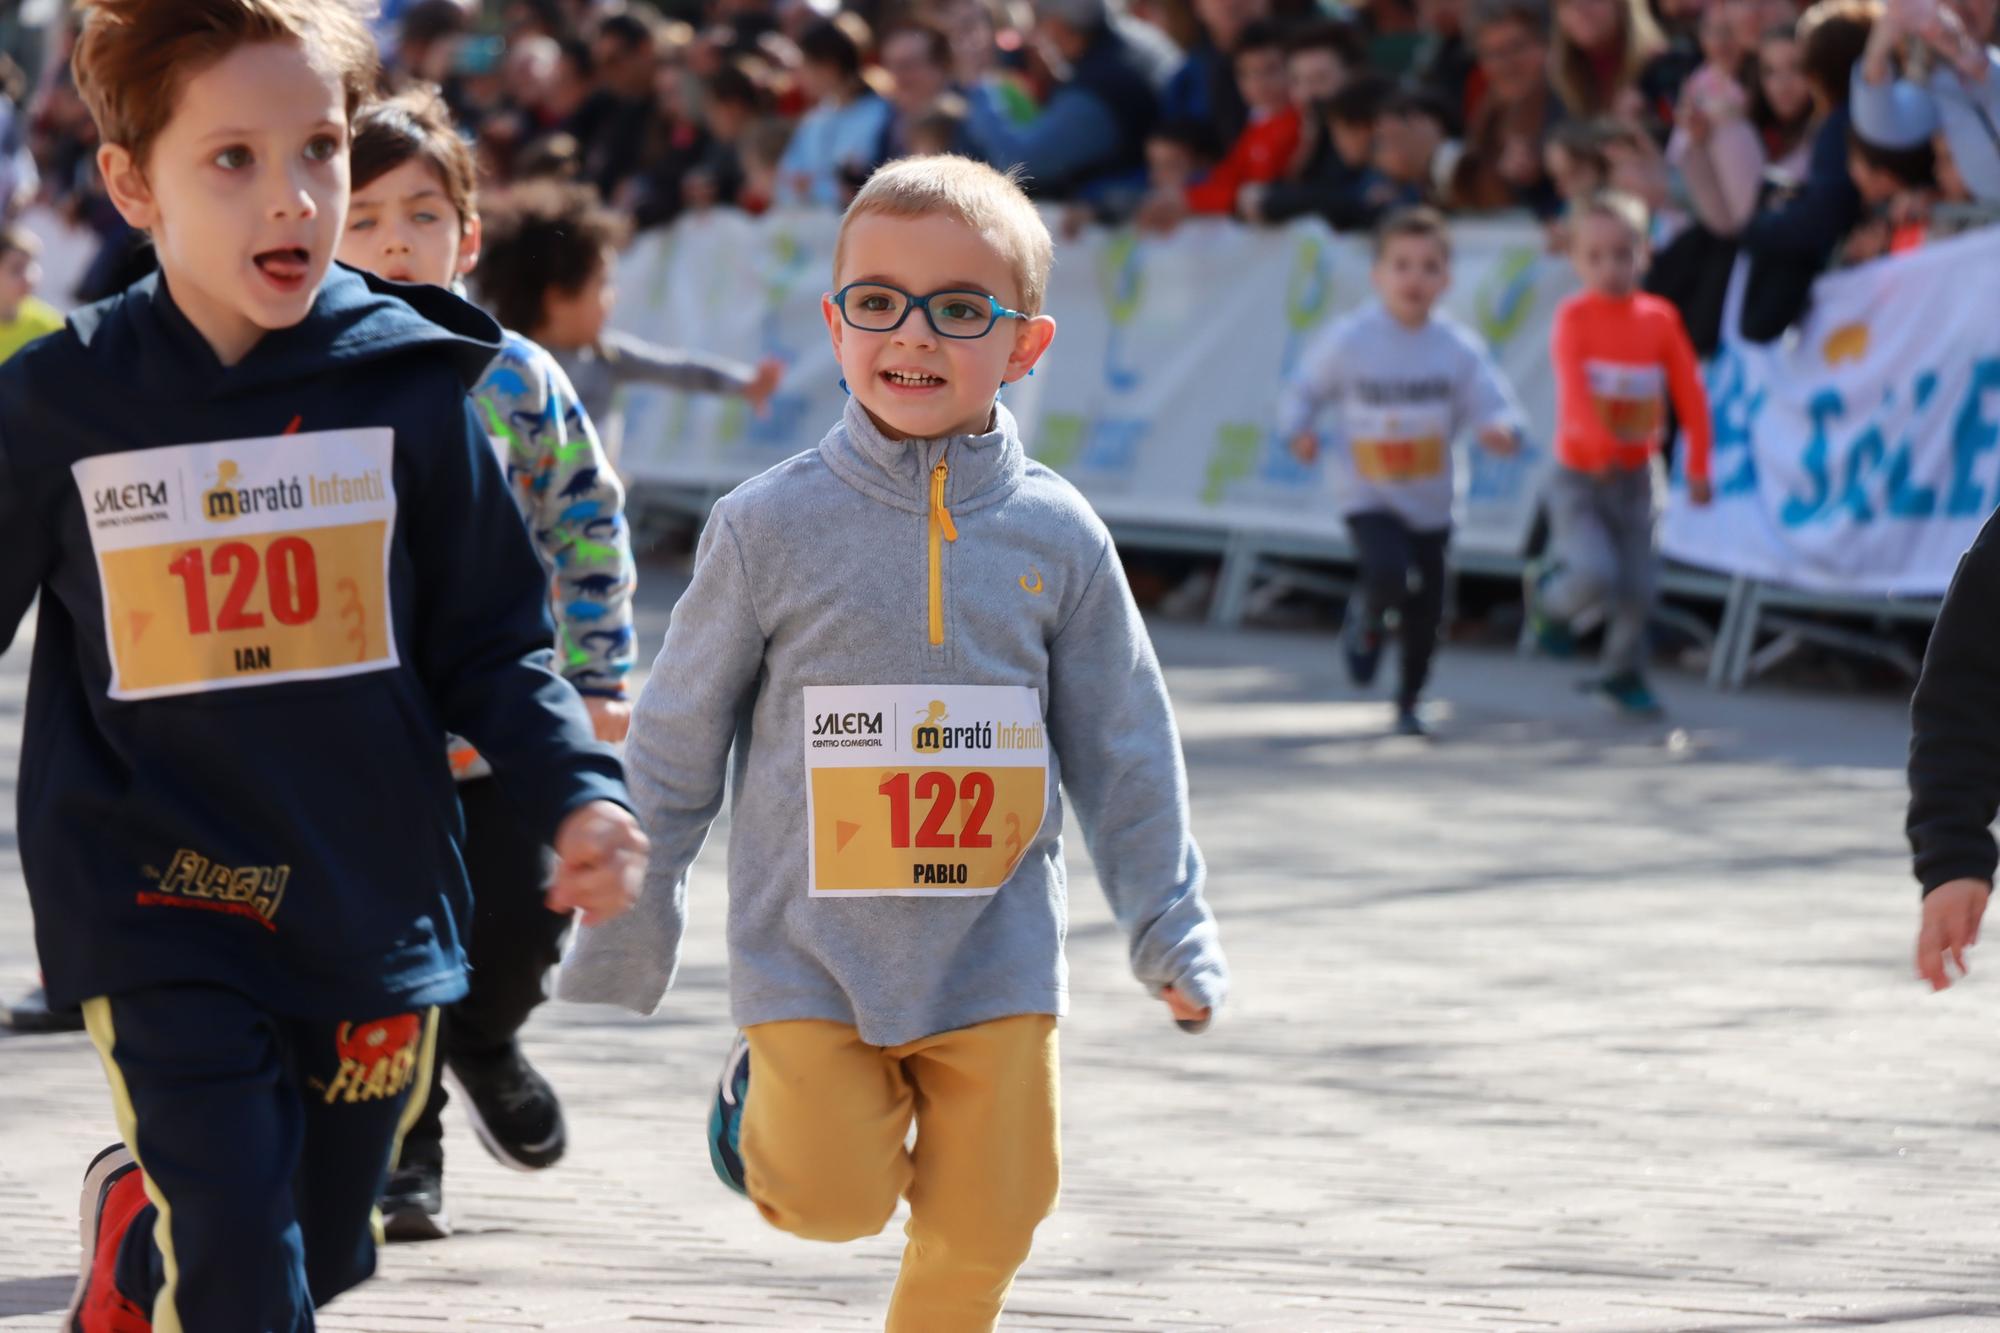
413 1110
97 1019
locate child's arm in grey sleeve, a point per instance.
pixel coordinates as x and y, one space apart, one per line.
1121 766
1316 382
675 761
1485 395
635 361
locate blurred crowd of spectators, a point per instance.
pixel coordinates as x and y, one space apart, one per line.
1801 139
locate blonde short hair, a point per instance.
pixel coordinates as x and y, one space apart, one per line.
990 202
1619 206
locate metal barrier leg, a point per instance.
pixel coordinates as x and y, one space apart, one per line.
1725 635
1746 637
1239 573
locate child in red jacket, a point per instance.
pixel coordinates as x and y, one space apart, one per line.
1260 155
1264 151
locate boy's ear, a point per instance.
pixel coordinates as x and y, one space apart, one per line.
126 183
468 246
1031 340
835 325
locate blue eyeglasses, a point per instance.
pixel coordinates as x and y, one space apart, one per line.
876 307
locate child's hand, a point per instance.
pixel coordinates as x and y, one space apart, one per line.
600 862
1185 1012
609 718
1305 447
1951 926
1501 440
770 371
1700 491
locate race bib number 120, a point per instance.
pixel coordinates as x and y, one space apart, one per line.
921 790
244 562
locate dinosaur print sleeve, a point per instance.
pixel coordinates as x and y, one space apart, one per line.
574 506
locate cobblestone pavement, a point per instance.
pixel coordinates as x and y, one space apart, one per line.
1556 1023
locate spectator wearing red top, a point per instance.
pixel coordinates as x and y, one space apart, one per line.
1203 88
1264 151
1619 354
1339 181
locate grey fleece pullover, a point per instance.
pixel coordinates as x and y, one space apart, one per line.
859 645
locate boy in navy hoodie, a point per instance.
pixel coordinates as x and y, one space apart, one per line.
277 561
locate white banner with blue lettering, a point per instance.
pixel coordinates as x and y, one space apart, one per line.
1158 397
1859 456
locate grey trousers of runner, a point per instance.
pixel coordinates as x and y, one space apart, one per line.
1602 532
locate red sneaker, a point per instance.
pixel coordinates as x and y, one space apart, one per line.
114 1192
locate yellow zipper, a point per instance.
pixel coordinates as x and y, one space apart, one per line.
942 530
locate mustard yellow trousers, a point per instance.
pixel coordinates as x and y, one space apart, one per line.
824 1156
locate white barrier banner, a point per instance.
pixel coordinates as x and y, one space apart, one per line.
1859 456
1159 395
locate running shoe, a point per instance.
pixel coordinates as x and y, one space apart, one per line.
1409 724
413 1202
1551 636
32 1013
513 1109
725 1119
1627 692
114 1192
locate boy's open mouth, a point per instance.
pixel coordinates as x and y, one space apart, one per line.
286 268
912 379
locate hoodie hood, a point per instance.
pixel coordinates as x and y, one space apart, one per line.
985 468
142 338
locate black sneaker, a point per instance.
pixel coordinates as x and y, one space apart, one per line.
1361 644
725 1118
31 1013
413 1203
1409 724
513 1109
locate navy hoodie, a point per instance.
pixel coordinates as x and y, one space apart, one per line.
267 592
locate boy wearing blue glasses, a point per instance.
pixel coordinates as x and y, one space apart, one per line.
911 635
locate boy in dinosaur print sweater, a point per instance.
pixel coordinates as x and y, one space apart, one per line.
414 218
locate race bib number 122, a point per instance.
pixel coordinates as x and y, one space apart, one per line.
244 562
921 790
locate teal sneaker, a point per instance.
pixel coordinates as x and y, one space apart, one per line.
1628 692
725 1118
1552 637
